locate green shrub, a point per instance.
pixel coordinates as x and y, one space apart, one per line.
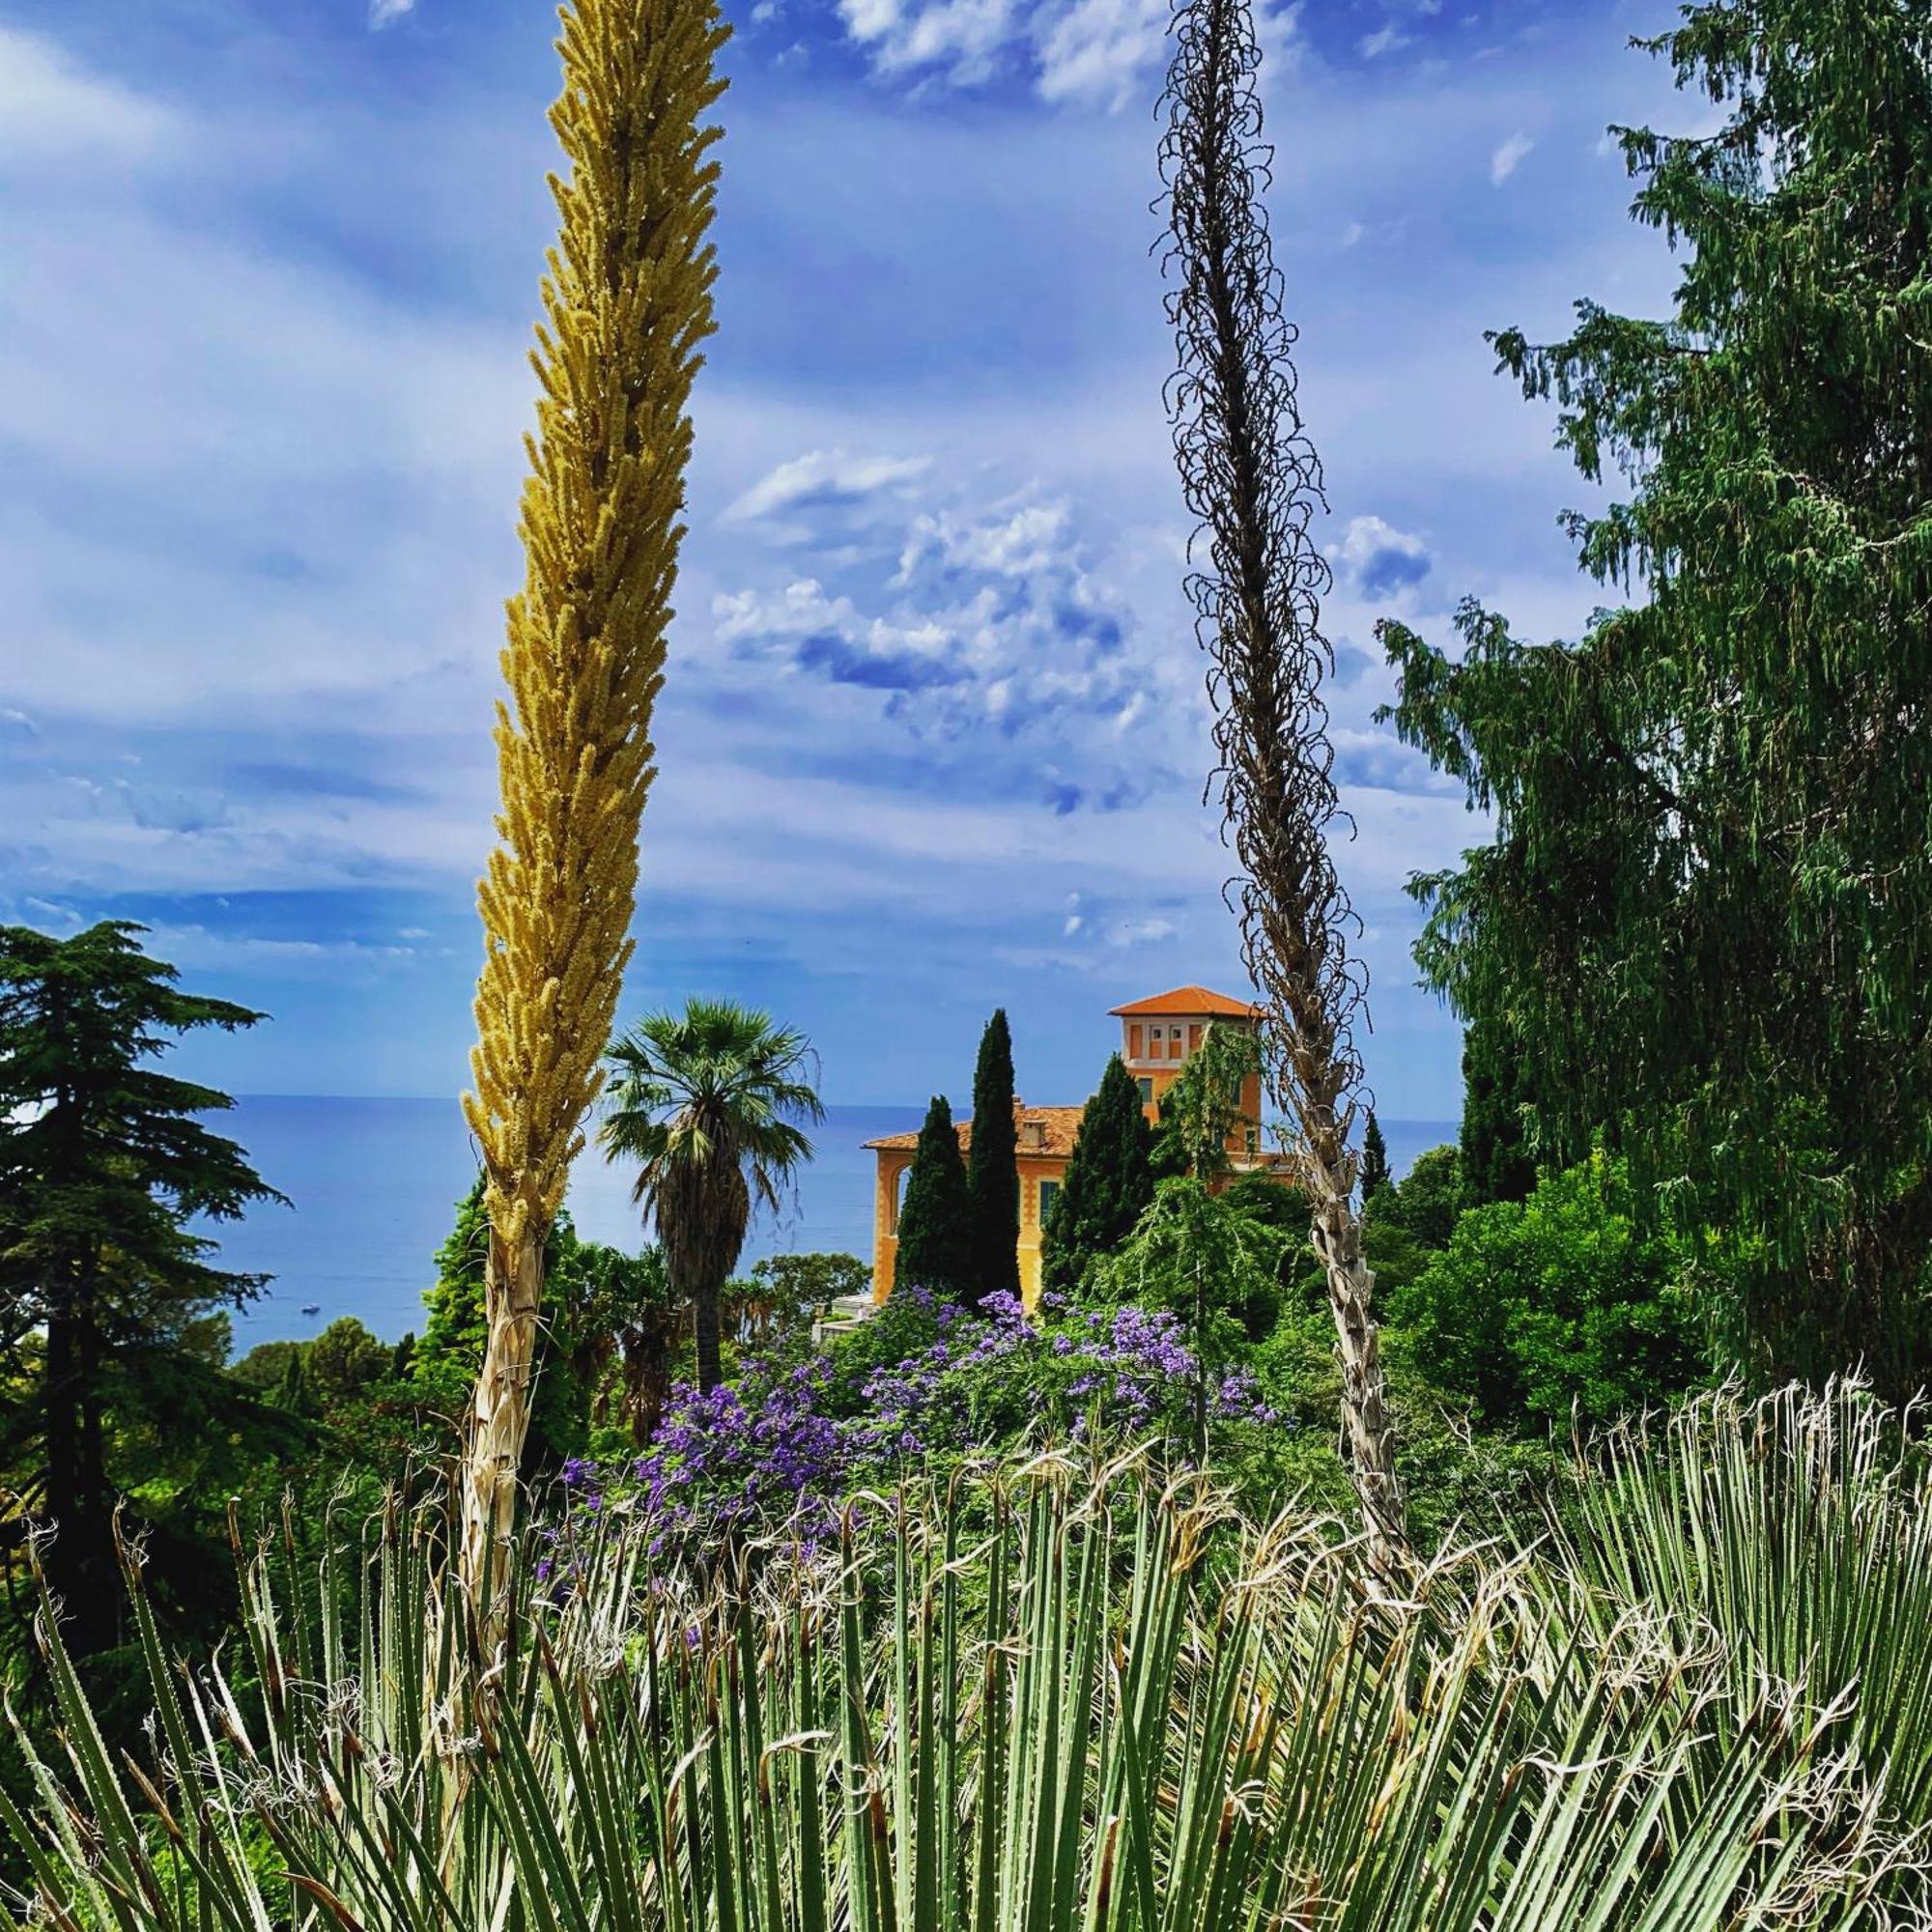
1555 1306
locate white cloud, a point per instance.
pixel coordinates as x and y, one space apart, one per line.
1142 932
1093 53
1506 159
383 12
1096 52
1385 39
1377 558
51 108
959 40
991 620
822 479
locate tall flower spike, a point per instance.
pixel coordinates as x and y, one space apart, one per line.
626 303
1251 478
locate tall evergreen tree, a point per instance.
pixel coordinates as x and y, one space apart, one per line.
1374 1159
939 1237
1107 1186
992 1168
104 1162
627 308
1706 907
1496 1163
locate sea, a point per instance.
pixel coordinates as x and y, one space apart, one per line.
374 1186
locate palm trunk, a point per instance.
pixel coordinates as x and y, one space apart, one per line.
498 1422
710 1356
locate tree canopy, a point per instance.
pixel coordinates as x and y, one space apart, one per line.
1107 1186
1702 925
709 1103
939 1235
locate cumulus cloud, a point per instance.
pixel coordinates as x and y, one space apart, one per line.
991 620
1508 158
1379 560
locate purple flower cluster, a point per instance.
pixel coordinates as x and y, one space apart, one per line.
778 1451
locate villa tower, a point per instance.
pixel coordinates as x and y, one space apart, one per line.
1158 1037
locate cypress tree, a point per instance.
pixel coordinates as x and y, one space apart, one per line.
1107 1186
1496 1163
938 1237
1375 1160
992 1170
627 306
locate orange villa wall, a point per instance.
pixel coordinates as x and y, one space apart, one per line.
892 1169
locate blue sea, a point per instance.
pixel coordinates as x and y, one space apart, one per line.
375 1186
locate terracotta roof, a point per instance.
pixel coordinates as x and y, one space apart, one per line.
1057 1127
1188 1002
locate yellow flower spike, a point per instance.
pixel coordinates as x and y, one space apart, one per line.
626 297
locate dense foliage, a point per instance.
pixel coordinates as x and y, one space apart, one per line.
1701 928
1107 1185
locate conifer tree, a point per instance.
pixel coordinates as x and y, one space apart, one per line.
1107 1186
1251 477
1374 1159
104 1163
992 1168
627 302
1495 1159
938 1239
1701 925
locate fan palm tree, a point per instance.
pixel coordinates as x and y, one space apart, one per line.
708 1102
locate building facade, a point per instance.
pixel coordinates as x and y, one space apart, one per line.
1159 1035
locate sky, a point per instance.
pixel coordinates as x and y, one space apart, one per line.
932 737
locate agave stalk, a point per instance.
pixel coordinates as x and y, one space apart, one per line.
1055 1696
627 302
1251 477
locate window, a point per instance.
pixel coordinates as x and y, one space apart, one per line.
1254 1139
1147 1090
1049 1193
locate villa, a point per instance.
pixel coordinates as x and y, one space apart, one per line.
1157 1035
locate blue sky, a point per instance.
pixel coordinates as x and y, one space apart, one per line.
932 737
